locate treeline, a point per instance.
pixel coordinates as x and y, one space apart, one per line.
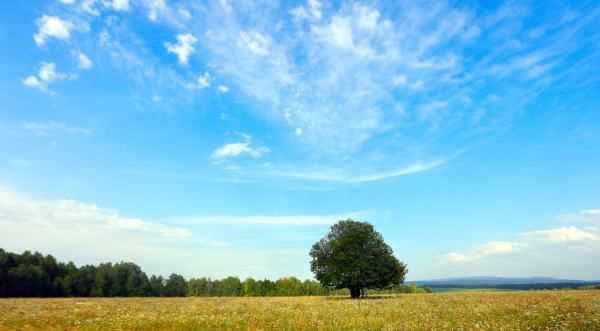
36 275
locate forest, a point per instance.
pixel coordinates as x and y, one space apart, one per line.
37 275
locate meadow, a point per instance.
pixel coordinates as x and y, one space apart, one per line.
471 310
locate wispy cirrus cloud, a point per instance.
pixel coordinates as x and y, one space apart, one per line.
335 78
83 61
47 129
342 176
583 217
338 77
564 234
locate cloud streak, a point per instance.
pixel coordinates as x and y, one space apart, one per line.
564 234
270 220
48 129
339 176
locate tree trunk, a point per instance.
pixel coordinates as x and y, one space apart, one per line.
355 292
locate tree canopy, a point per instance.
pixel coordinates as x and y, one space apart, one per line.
353 255
36 275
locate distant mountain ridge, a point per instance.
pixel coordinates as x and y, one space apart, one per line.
503 282
498 280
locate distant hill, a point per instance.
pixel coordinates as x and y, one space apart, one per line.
504 282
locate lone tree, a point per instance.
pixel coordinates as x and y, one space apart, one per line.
353 255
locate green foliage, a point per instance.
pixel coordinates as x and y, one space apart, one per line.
35 275
176 286
354 256
233 287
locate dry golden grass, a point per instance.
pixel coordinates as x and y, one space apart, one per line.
546 310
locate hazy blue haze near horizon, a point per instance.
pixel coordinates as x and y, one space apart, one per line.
224 138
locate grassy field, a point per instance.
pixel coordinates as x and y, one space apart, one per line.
543 310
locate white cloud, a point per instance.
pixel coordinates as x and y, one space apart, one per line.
432 109
331 96
367 18
334 68
47 74
334 71
591 212
52 27
225 6
32 81
155 7
564 234
88 234
299 13
342 176
183 48
47 129
83 61
120 5
239 148
315 7
591 215
255 42
70 215
566 243
409 170
399 80
67 2
489 249
581 218
338 33
223 88
89 6
95 7
203 80
185 13
531 65
313 10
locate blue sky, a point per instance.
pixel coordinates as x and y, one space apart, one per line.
215 138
